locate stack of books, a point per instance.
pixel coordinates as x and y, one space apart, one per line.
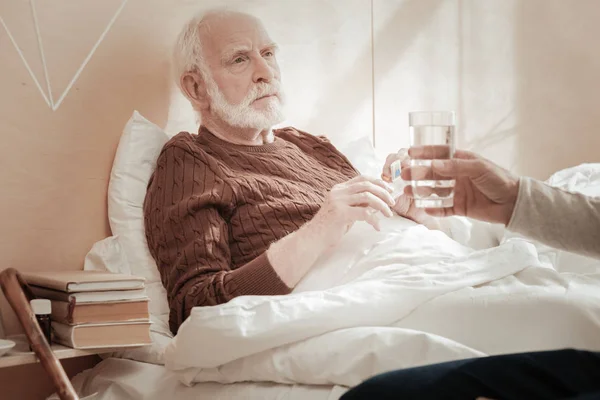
94 309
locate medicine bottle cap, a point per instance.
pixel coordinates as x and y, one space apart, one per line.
41 306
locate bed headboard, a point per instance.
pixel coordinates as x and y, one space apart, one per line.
522 77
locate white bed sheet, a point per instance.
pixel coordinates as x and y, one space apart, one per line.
120 379
402 297
552 286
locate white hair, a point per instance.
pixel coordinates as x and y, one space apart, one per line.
187 52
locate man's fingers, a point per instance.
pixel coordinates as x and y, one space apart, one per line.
457 168
430 152
465 155
439 152
426 191
405 174
417 173
375 181
368 199
370 187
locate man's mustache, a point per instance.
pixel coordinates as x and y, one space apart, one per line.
263 90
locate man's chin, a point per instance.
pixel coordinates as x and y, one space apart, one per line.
268 117
254 118
276 118
257 123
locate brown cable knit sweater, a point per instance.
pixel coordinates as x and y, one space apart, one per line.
213 208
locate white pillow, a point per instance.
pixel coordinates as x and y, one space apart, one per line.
134 163
362 155
127 251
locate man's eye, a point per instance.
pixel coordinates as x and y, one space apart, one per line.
238 60
269 54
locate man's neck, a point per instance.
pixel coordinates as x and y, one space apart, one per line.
242 136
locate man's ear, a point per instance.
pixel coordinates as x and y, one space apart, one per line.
194 88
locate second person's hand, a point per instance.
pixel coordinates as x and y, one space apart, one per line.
483 190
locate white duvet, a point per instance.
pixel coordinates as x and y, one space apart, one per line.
403 297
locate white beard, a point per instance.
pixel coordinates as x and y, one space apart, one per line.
243 115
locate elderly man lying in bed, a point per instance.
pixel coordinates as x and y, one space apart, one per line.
239 208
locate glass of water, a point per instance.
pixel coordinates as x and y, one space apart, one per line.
431 138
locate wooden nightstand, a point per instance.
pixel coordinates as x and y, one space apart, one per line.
18 293
21 355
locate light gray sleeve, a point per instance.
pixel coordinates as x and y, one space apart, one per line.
561 219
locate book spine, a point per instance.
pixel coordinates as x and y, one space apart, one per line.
64 334
71 309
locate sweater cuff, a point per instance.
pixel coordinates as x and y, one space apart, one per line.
522 197
258 278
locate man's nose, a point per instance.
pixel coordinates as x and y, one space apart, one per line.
263 71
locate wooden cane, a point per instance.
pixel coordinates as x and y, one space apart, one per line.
15 289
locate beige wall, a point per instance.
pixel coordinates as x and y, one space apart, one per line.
523 76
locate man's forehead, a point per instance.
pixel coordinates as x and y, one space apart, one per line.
236 32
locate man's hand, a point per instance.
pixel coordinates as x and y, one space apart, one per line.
404 205
483 190
358 199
